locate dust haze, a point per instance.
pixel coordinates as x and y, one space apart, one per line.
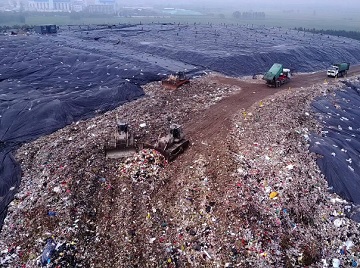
322 14
254 4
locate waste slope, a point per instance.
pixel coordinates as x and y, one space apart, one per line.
339 143
49 81
44 87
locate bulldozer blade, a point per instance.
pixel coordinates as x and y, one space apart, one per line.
119 152
174 84
173 151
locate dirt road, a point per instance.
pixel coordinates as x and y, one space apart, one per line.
212 126
217 118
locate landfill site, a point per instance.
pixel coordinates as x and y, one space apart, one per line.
108 163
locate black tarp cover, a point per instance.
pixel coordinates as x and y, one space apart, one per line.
49 81
339 143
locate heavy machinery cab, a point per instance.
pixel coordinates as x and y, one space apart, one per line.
122 145
176 132
172 144
181 75
122 127
123 137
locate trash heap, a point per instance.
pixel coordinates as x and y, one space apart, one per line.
144 165
249 197
290 217
72 194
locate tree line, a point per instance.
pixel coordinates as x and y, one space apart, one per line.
349 34
6 17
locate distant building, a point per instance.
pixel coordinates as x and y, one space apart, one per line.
53 5
78 6
61 5
40 5
102 6
46 29
92 6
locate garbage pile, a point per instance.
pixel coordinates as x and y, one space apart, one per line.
144 165
252 196
71 192
293 218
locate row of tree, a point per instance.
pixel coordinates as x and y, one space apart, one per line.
6 17
350 34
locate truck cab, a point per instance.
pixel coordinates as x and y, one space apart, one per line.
286 72
333 71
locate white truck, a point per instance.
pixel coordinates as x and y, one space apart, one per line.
338 69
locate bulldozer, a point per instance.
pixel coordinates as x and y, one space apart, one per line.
175 81
173 144
122 144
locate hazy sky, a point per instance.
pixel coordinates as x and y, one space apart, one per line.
258 4
246 4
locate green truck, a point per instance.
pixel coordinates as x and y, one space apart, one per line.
277 75
338 69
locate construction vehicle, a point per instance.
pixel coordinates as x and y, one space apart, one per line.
277 75
338 69
122 144
175 81
171 145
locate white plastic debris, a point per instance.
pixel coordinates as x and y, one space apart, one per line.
338 222
349 244
57 189
336 262
290 167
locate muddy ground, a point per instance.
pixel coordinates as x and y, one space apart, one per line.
246 193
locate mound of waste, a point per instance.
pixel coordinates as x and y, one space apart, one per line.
50 81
